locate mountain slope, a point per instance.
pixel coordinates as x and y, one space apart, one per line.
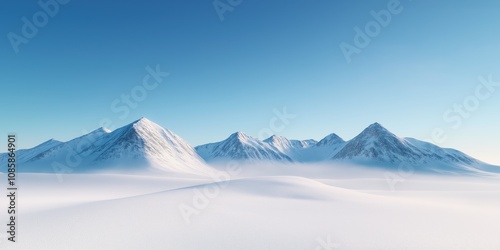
325 149
307 150
295 149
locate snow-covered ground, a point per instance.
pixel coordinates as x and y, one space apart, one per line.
258 207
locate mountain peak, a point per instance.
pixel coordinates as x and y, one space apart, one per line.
51 140
376 130
376 125
143 120
49 143
239 136
330 139
276 138
145 125
377 143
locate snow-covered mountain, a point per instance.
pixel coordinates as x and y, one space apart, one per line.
72 151
377 145
240 146
325 149
141 145
145 143
28 154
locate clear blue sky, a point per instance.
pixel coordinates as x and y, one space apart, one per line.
229 75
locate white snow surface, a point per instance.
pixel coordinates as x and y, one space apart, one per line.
257 207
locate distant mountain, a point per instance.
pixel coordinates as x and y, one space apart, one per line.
240 146
325 149
28 154
141 145
75 147
377 145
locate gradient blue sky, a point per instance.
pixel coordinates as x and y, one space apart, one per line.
228 76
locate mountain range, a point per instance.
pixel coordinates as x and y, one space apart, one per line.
144 145
375 145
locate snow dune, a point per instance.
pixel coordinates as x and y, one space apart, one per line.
257 211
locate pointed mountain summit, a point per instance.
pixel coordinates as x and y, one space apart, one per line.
375 130
144 142
376 143
331 139
239 146
240 136
325 149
